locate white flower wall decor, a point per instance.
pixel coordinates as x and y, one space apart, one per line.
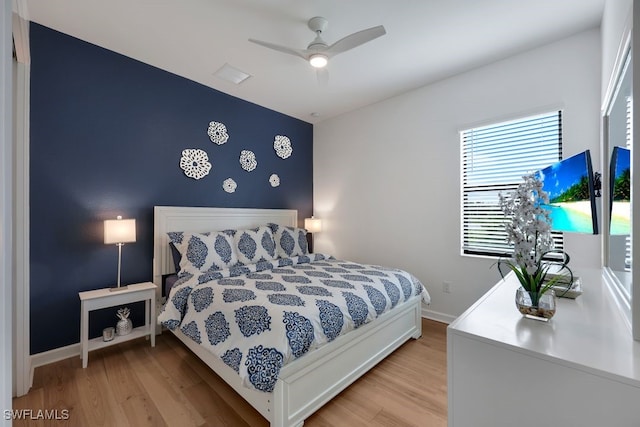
195 163
248 160
217 133
282 145
229 185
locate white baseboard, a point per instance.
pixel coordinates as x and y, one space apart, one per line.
437 316
55 355
74 350
51 356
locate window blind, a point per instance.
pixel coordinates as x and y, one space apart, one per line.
629 140
494 159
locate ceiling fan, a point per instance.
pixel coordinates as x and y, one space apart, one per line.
318 52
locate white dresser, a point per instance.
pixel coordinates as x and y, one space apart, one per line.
582 368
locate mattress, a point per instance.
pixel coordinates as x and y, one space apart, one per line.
257 318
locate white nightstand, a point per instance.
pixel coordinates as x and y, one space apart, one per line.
103 298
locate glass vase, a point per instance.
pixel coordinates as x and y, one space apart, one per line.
543 311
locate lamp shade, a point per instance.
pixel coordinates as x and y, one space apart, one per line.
119 231
313 225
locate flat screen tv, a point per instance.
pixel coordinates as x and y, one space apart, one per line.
572 203
620 190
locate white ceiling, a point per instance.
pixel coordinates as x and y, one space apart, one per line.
426 40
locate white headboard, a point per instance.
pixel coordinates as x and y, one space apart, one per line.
196 219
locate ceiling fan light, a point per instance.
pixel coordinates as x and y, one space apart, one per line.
318 60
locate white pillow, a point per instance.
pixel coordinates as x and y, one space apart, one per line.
290 241
255 245
203 252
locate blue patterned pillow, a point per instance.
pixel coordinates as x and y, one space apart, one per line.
290 241
203 252
255 245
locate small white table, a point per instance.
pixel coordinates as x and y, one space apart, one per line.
103 298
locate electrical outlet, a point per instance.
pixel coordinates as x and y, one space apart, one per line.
446 287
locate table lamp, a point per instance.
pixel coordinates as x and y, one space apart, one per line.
119 231
313 225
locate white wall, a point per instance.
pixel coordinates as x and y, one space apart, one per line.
387 177
615 17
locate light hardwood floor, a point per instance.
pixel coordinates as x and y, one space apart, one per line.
132 384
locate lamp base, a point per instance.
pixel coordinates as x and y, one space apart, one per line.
121 288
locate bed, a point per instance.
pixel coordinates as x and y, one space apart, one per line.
310 379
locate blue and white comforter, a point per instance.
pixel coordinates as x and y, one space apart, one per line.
257 318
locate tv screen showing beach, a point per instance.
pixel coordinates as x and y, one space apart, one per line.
569 184
620 192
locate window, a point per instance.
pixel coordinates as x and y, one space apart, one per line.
628 144
494 159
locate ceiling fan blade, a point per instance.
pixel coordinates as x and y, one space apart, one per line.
283 49
355 40
323 77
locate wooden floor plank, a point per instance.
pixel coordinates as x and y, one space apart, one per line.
97 398
180 370
134 384
124 385
141 411
212 407
167 395
226 393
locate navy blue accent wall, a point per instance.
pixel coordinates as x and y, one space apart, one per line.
107 134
